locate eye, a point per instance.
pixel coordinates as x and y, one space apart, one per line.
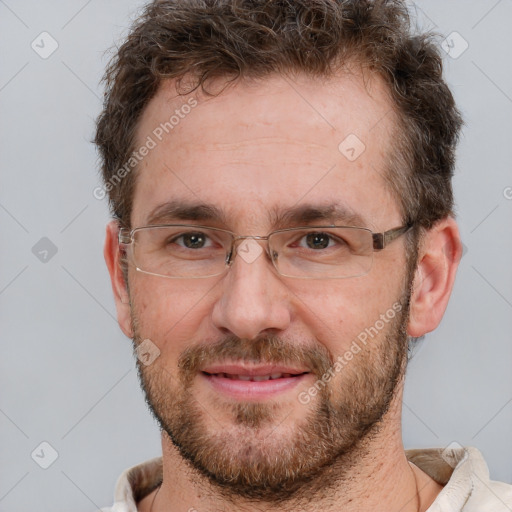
319 240
192 240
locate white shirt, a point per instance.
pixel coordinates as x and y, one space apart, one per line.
462 471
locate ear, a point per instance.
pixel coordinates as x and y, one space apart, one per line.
438 258
112 255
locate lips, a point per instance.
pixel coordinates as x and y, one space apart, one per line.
256 382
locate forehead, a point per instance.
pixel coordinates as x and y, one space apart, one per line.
265 145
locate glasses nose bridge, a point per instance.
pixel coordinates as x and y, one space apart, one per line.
239 238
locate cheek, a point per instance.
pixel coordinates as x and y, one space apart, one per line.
169 313
341 311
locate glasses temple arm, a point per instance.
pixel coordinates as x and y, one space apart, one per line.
124 236
380 240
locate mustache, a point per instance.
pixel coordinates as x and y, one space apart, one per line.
264 349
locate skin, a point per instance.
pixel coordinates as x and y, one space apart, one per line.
256 146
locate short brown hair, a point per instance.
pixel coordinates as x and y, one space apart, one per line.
208 39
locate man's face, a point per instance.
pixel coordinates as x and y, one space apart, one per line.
259 148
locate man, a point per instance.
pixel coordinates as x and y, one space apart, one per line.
280 178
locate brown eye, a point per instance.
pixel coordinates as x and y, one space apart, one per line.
193 240
318 240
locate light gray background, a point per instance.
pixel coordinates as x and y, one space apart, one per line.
67 375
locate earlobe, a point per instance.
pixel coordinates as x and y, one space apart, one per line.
438 258
112 255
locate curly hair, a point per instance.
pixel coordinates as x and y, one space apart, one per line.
201 40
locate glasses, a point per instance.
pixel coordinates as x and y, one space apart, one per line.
312 252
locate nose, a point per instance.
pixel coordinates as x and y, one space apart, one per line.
253 297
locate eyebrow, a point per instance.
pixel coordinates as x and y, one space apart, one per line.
332 213
280 218
182 210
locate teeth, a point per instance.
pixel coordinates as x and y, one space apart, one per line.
254 378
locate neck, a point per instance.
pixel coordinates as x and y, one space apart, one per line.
375 476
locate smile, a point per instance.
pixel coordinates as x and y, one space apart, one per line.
249 383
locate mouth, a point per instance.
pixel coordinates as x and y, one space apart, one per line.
244 382
253 378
